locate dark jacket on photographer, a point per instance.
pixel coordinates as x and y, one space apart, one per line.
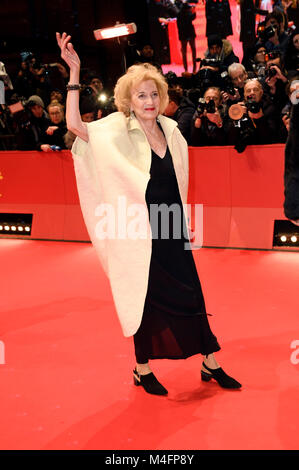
183 116
209 134
282 46
227 55
279 99
291 56
291 171
57 138
259 131
30 134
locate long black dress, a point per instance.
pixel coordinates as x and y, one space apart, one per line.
174 323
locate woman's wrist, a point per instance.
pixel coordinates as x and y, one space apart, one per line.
74 75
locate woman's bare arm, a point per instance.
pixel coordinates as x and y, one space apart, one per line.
73 119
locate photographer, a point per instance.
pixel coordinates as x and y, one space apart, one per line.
291 57
275 81
31 129
233 84
254 59
253 121
25 82
209 126
274 36
181 109
208 75
54 135
222 50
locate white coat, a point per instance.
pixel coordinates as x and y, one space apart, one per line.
116 162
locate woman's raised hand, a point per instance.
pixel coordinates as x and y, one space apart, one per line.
68 53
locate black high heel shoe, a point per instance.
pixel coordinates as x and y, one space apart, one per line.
149 383
220 376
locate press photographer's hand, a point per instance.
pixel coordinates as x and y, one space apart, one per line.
215 118
227 96
51 130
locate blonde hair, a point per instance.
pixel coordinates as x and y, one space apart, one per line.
56 103
134 76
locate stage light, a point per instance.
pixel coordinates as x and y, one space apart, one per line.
14 224
286 235
115 31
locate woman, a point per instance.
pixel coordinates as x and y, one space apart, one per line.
54 135
130 155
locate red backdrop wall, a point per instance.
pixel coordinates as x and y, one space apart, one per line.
242 194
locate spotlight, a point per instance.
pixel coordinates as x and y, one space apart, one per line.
6 227
13 228
20 228
115 32
27 229
283 238
294 238
102 98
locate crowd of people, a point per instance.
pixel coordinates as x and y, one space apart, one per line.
224 102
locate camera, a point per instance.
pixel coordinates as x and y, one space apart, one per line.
172 79
270 72
202 106
246 131
253 106
237 112
266 33
212 62
206 78
227 85
55 148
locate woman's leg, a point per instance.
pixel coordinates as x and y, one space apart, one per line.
193 50
211 362
142 365
184 54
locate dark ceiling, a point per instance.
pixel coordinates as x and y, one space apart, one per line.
31 25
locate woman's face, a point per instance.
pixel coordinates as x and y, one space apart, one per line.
296 41
56 114
145 100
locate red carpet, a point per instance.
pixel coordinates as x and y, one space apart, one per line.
67 383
